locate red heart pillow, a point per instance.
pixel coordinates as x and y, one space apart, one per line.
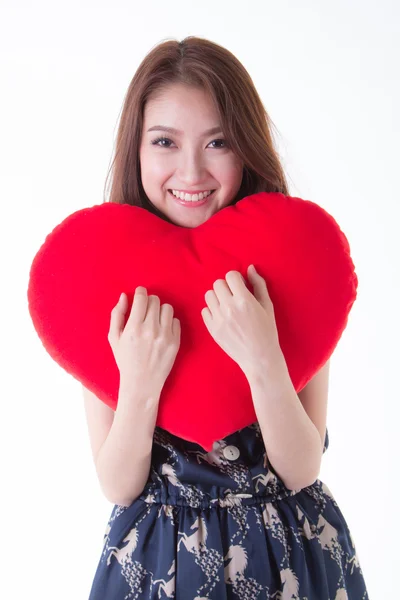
96 253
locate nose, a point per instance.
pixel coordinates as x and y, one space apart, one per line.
190 169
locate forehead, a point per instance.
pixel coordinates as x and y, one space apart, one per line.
177 104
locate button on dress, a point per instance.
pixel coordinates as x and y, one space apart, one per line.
222 525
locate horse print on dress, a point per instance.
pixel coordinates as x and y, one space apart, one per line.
221 524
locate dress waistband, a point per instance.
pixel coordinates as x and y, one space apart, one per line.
162 496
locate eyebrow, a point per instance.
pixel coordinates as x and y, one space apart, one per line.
211 131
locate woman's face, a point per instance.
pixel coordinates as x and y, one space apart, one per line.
189 160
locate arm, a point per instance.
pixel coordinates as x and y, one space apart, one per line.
293 426
145 343
123 458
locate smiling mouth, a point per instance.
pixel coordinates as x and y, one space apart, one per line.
184 202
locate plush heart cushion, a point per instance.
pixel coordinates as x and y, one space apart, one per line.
96 253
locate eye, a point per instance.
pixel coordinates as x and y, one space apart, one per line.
219 141
167 141
161 139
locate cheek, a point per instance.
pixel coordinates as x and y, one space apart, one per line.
155 167
229 172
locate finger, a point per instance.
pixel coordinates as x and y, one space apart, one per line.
207 318
166 315
222 291
139 307
153 310
176 327
236 282
117 318
212 301
260 288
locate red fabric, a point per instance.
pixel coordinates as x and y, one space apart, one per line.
96 253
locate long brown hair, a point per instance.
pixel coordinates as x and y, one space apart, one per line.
245 122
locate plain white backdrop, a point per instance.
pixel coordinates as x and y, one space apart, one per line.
327 73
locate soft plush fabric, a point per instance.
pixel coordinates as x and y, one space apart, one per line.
96 253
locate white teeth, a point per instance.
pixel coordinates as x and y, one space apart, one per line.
191 197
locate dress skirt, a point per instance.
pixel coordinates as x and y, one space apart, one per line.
222 525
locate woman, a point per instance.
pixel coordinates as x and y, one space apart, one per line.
249 519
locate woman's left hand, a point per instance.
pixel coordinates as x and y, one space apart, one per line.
241 323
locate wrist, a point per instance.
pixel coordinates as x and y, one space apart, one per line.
266 369
135 393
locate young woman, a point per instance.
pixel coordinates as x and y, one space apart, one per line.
250 519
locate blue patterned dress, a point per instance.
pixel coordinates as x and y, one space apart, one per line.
222 525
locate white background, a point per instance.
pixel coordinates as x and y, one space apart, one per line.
327 73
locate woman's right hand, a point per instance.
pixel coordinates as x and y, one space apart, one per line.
145 344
